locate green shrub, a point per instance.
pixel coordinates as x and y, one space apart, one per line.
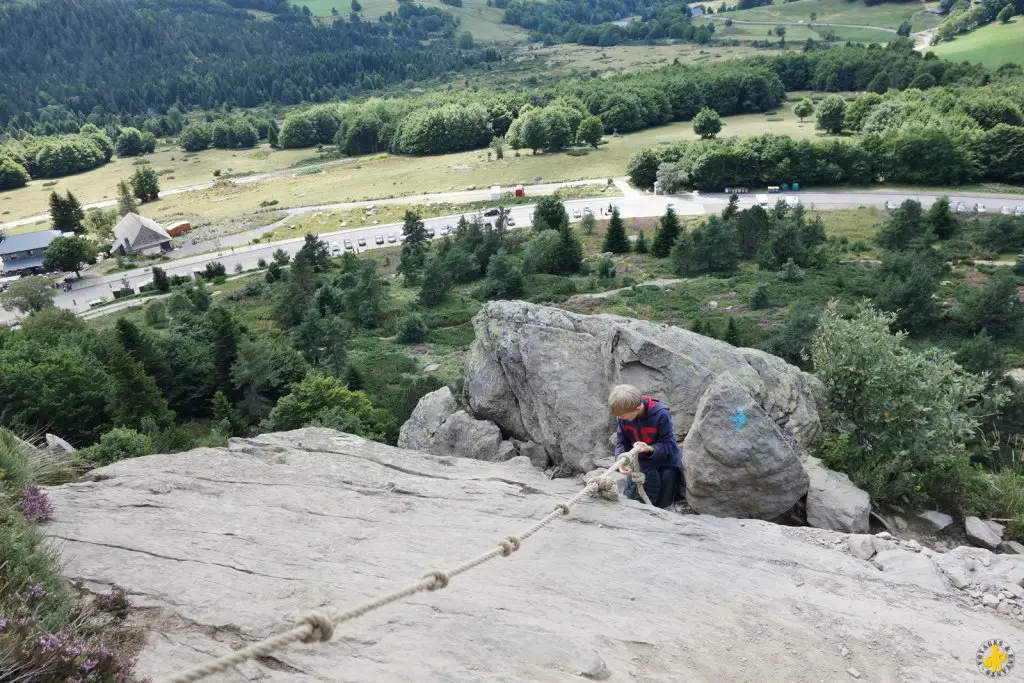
118 444
759 296
901 417
411 329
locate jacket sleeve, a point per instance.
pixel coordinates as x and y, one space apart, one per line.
664 446
620 439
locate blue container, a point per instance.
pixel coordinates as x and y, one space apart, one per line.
796 187
785 187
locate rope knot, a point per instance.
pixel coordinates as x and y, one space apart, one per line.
439 580
509 545
563 508
321 628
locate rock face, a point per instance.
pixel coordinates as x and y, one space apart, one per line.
543 374
221 547
833 501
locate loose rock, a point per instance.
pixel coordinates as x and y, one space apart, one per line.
862 546
833 501
938 520
981 534
989 600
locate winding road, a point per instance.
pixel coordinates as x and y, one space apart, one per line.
633 204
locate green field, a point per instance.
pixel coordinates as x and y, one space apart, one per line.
475 16
796 33
175 167
992 45
885 15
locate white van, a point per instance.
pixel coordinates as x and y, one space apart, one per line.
763 201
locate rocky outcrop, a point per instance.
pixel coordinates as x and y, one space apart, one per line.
463 436
221 547
833 501
542 375
430 413
438 426
937 520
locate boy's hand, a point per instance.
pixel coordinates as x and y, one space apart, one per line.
642 447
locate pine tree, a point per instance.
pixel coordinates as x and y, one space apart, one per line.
225 417
641 243
615 239
733 208
732 333
59 213
272 133
414 251
126 203
353 379
570 252
666 235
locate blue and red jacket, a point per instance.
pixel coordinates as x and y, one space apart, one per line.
653 427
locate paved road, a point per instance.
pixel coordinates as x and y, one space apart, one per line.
635 205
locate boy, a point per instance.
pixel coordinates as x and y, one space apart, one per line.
645 422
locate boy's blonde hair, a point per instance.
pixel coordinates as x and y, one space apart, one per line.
624 398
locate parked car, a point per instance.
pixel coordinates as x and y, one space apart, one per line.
1006 210
335 248
670 204
587 209
361 241
445 230
492 212
430 231
980 208
1019 211
891 205
510 222
391 238
348 245
576 213
961 207
379 239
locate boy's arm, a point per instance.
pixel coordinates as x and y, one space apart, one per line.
663 446
620 439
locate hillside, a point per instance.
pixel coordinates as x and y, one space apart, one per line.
992 45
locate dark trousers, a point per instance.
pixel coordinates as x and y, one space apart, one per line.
661 485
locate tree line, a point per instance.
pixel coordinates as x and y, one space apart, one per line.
437 123
942 136
132 58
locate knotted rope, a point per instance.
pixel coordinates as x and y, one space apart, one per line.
319 626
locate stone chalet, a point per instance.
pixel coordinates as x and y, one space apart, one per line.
135 234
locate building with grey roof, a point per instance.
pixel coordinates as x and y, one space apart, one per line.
135 234
23 254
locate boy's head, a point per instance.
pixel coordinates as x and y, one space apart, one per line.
626 401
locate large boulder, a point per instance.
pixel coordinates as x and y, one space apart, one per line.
463 436
981 534
737 462
430 413
833 501
220 547
543 374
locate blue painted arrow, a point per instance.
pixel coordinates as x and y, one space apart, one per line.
740 418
